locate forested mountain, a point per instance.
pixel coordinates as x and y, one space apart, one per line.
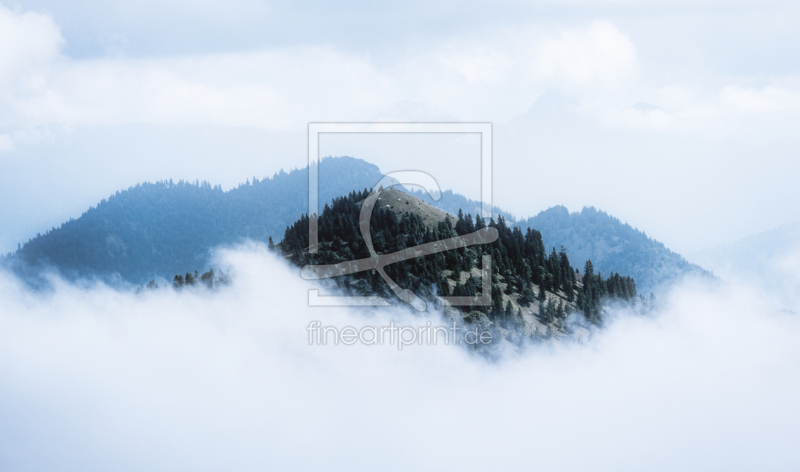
160 229
612 246
532 289
163 228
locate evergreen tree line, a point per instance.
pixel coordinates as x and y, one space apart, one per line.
208 279
613 246
596 290
156 229
520 261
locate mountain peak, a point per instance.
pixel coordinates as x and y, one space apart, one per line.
401 203
611 245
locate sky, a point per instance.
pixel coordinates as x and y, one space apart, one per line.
679 118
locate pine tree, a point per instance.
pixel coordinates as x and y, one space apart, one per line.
178 281
509 310
208 278
461 224
560 313
479 223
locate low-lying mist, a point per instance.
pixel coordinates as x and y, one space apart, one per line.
97 379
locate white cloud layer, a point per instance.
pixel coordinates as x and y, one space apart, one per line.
597 55
495 74
93 379
28 40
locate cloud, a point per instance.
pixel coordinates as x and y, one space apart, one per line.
285 87
494 74
765 100
95 379
489 67
27 39
6 143
30 43
598 55
268 89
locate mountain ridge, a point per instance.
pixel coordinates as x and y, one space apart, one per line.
153 230
530 291
612 246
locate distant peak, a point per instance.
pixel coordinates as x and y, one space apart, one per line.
349 161
558 210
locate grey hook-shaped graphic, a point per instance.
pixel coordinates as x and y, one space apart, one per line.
379 261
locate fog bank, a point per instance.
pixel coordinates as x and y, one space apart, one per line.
94 379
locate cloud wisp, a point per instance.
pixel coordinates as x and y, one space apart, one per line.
494 74
96 379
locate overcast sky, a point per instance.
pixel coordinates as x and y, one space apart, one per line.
680 118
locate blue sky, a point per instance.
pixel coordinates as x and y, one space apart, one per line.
678 117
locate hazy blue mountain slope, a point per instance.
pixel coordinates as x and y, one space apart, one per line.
164 228
611 245
768 260
752 255
452 202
